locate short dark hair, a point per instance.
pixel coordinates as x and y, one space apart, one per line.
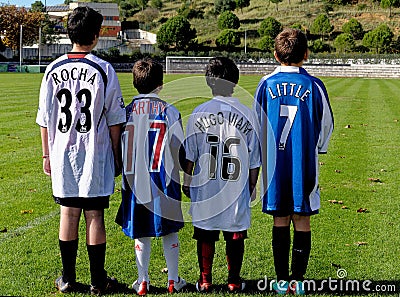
222 75
290 46
147 75
84 24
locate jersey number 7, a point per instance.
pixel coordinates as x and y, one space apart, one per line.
288 111
157 142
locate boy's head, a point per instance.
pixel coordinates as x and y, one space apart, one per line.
222 75
147 76
291 46
84 25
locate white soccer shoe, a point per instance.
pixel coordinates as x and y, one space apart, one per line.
141 288
174 286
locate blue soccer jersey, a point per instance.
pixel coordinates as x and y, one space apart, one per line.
151 194
296 124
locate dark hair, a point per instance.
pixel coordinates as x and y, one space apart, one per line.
290 46
84 25
222 75
147 75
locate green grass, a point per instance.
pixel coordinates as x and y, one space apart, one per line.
361 169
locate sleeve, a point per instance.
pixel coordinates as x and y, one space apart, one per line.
326 121
254 146
177 137
114 102
190 141
42 116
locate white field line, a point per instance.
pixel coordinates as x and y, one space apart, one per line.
32 224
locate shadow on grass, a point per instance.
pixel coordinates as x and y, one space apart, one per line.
339 287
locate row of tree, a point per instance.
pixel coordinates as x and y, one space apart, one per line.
178 34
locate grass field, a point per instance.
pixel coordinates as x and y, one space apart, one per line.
361 170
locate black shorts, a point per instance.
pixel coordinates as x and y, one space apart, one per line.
213 235
92 203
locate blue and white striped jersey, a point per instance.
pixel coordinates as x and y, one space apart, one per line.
151 193
296 124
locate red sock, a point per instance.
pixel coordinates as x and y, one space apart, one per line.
205 255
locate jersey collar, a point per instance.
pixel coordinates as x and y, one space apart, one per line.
146 96
77 55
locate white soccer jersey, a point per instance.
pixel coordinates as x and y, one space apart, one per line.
80 98
223 144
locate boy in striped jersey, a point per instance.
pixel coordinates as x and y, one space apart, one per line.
296 124
151 195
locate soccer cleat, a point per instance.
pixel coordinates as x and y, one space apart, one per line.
111 283
141 288
236 287
297 288
62 286
174 286
281 287
203 287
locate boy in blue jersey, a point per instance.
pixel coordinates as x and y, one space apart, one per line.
151 195
296 124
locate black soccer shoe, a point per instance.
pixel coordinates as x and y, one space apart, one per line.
64 287
111 284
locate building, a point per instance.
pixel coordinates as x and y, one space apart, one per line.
111 35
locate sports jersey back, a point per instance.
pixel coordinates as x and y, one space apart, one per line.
294 112
151 183
80 98
222 142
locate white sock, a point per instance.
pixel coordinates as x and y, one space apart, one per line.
171 254
142 251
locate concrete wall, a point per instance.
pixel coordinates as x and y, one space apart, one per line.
333 70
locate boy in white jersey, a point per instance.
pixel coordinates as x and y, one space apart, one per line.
223 149
80 114
296 123
151 191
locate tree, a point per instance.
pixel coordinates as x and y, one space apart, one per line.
276 3
379 39
321 25
266 44
270 27
11 18
224 5
318 46
227 39
37 6
142 3
241 4
228 20
156 4
354 28
344 43
176 33
389 4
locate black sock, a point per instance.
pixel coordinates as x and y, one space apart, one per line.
300 254
234 257
280 249
97 255
69 250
